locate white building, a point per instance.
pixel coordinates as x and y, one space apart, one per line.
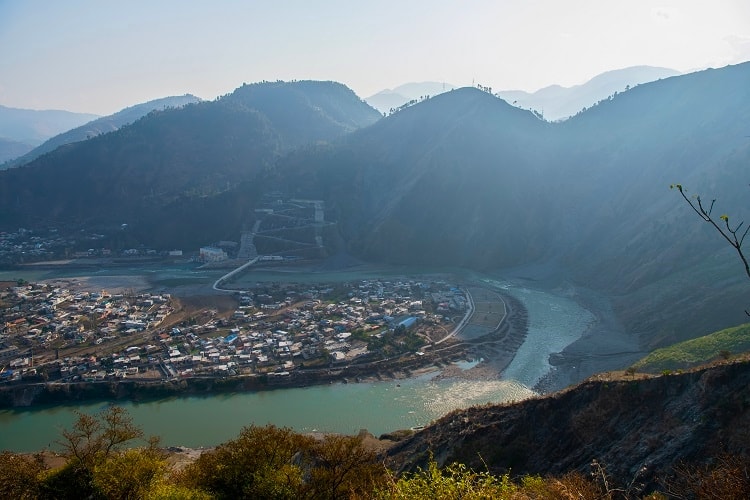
212 254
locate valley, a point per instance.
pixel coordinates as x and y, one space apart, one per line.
461 179
323 194
383 250
274 333
406 395
284 254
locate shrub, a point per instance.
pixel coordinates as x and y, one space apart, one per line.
20 475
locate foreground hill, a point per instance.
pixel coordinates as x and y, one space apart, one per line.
102 125
684 436
35 126
639 429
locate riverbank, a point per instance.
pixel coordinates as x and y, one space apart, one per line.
495 350
23 395
28 395
382 402
603 345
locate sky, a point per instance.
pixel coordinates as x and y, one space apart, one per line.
99 56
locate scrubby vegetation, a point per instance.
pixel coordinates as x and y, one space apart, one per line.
271 462
102 460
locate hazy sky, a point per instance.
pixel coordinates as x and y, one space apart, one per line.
99 56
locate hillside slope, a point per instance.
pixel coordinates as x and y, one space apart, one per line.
465 179
438 183
175 162
683 355
638 429
103 125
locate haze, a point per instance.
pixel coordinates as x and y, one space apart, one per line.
98 57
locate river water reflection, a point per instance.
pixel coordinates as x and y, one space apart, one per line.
554 322
206 421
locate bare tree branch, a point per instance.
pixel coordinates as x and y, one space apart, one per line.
734 236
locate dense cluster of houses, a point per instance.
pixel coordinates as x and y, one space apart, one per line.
269 332
306 328
38 320
24 245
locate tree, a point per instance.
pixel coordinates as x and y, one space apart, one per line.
97 466
734 235
131 473
273 462
343 468
20 475
257 464
94 438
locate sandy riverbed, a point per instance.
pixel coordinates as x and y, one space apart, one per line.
603 346
112 284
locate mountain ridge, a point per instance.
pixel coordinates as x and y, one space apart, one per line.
175 158
599 183
102 125
35 126
388 99
556 102
10 149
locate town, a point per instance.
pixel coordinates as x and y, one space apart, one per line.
53 332
43 247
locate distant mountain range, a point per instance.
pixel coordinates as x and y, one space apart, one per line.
557 103
33 127
553 102
388 99
10 149
101 126
462 180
